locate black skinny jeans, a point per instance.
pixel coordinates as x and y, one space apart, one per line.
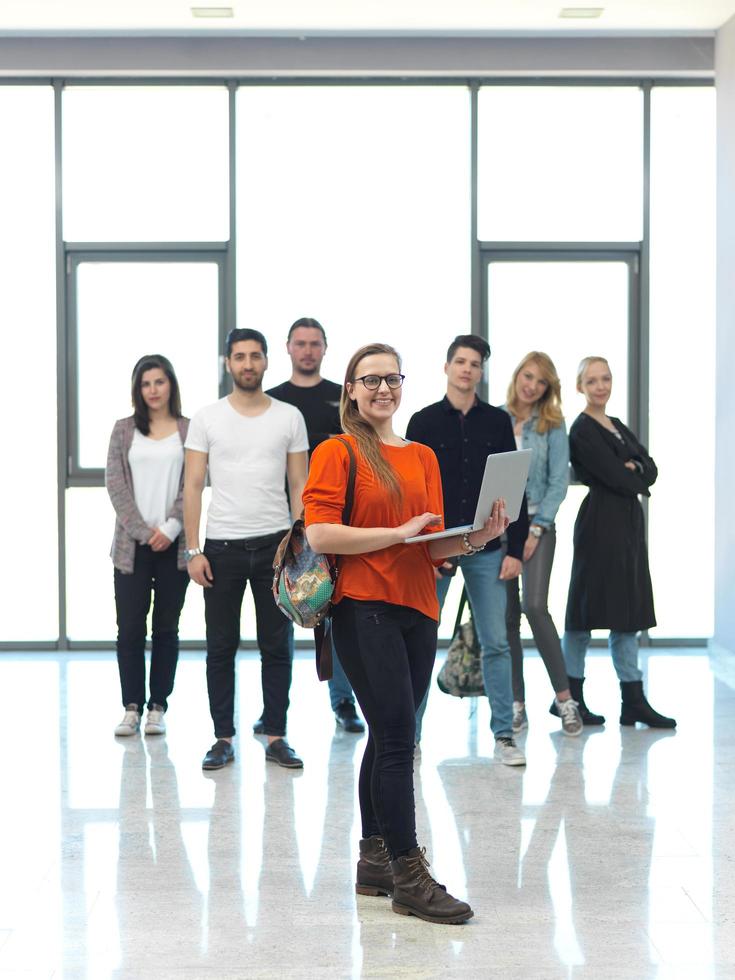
234 564
154 572
387 652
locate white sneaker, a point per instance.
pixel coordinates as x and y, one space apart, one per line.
130 724
520 718
154 723
507 752
571 720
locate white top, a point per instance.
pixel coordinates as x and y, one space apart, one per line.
156 465
519 445
247 466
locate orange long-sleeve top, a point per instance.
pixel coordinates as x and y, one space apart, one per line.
404 573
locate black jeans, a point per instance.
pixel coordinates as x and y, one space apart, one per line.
387 652
234 564
154 572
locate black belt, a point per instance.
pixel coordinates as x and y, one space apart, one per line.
251 544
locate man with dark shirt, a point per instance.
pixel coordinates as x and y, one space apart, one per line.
462 430
318 401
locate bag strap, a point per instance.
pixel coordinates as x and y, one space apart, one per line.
460 610
323 644
351 477
323 632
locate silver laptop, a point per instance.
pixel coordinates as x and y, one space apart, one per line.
505 476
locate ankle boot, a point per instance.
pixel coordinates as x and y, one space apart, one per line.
576 685
636 708
374 875
416 893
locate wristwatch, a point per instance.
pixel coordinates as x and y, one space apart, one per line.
190 553
536 530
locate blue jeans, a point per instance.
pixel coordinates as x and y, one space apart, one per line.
487 595
623 648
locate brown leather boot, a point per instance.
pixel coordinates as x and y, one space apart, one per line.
374 875
416 893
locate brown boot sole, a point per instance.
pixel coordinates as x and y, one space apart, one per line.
371 890
448 920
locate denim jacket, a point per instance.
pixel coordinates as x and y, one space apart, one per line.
548 477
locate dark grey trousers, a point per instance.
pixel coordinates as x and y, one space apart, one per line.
536 574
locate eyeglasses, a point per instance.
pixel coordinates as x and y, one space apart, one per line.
372 381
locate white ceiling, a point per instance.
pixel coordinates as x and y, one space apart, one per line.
374 16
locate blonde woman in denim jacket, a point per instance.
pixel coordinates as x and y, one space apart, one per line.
534 405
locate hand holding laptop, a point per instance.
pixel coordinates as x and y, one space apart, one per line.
504 480
496 524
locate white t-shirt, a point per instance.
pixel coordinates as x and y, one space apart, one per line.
247 466
155 465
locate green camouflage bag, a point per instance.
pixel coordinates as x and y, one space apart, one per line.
461 673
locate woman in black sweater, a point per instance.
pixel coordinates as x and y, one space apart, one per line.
610 586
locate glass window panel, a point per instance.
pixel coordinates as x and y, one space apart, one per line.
682 318
370 189
569 310
28 495
145 163
560 164
127 309
90 597
90 600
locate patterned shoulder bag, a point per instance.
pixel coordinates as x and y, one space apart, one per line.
304 579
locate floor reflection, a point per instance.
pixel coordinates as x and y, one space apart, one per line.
608 857
155 882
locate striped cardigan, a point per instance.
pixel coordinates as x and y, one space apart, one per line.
130 528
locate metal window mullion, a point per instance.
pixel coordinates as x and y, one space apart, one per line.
502 81
644 336
644 298
148 251
62 447
478 280
228 298
562 249
477 325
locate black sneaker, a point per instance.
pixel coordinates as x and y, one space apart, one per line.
346 716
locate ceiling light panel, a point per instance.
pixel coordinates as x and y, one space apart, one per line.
218 12
582 13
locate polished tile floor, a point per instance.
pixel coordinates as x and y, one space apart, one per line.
610 856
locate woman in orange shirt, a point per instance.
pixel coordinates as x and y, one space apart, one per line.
385 614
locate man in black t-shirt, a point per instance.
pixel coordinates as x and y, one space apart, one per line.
318 401
316 398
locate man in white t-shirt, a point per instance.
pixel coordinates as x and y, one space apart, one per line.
250 443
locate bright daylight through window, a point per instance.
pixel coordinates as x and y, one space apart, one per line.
353 205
